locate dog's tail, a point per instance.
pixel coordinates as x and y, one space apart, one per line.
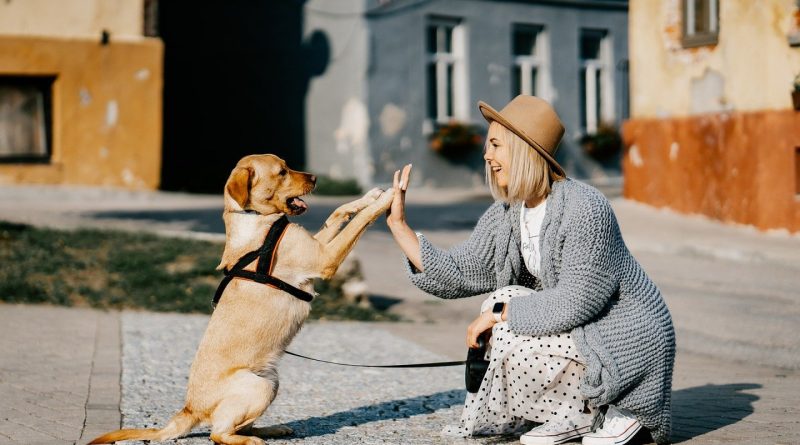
182 423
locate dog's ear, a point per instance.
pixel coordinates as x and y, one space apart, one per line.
238 186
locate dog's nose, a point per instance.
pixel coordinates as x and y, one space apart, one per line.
314 179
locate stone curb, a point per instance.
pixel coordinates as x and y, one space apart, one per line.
103 402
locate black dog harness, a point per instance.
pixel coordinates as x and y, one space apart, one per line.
265 256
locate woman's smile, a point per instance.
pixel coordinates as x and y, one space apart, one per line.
497 156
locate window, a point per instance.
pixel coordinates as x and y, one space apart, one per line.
596 84
446 77
700 22
25 118
530 72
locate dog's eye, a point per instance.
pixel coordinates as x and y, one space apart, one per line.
282 172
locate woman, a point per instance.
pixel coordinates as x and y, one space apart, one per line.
581 340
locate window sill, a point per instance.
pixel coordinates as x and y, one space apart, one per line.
34 160
698 40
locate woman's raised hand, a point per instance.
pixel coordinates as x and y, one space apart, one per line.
397 212
396 220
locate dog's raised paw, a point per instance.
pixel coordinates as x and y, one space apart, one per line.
374 193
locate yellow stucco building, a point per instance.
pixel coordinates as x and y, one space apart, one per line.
80 94
713 130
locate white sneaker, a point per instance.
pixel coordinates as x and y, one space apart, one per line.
619 427
553 433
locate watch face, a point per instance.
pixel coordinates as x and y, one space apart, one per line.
498 307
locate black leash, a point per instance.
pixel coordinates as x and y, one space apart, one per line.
265 256
409 365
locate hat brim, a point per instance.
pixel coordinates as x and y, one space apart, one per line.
490 114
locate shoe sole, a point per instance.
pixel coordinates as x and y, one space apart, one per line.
621 440
556 441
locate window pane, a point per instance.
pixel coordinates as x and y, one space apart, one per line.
432 90
23 118
431 39
583 97
516 81
449 90
701 16
523 42
448 39
590 45
534 73
597 88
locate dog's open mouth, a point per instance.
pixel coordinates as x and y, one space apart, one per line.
296 205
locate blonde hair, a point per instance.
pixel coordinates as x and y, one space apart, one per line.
529 175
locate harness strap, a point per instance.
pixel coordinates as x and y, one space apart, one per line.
265 256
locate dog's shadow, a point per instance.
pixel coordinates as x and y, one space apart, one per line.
391 410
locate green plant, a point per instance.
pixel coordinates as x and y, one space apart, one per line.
603 144
797 83
455 139
336 187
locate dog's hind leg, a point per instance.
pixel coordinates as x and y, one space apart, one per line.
342 215
246 398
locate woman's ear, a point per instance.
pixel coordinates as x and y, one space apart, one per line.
238 186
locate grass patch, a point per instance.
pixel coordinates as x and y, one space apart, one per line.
112 269
328 186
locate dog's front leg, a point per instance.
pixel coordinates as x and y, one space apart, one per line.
334 252
342 215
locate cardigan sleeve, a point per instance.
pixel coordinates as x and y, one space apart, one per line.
587 278
466 269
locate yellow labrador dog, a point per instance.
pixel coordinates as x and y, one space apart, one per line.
234 377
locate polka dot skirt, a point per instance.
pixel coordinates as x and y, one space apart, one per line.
530 379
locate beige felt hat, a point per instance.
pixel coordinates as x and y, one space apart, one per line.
533 120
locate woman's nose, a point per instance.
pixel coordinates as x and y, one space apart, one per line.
486 155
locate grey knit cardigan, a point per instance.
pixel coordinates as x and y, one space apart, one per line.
589 285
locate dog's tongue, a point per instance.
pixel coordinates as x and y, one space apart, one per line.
299 203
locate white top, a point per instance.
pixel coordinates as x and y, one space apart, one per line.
530 225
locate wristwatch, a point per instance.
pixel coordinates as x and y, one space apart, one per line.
497 311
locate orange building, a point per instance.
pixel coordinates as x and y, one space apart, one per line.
80 94
713 130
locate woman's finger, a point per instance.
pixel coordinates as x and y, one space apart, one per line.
396 182
404 177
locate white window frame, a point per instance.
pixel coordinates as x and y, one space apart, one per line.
442 60
539 60
603 64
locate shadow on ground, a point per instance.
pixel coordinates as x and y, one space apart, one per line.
392 410
702 409
696 411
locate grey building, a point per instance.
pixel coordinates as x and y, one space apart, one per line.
398 70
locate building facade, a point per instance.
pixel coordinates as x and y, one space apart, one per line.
399 71
80 94
713 130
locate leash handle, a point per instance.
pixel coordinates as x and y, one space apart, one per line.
408 365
